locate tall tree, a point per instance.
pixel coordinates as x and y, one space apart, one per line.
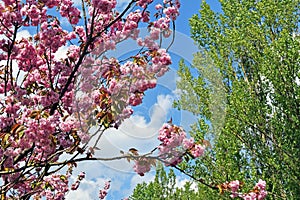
244 88
164 187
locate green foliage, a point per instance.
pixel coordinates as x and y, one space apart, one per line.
163 188
242 87
255 48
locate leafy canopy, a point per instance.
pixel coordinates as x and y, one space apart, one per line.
244 88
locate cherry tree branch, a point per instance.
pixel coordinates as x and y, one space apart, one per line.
89 41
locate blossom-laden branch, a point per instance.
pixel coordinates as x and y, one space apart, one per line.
258 193
49 104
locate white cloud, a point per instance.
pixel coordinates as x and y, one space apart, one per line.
168 81
87 189
23 34
134 132
136 129
164 102
181 182
61 53
78 194
20 35
122 184
96 176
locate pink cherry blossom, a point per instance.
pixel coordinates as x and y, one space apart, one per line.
50 101
250 196
103 192
158 6
262 194
259 192
175 145
107 185
171 12
142 166
261 184
198 150
188 143
234 186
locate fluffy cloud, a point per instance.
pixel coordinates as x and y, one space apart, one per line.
20 35
134 132
180 182
23 34
61 53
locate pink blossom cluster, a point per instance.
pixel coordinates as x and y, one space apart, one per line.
52 36
125 82
175 145
234 186
258 193
33 12
37 13
56 186
104 6
103 192
172 11
68 10
80 177
8 18
144 3
142 166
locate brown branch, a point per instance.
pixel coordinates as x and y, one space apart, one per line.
9 53
173 36
212 186
89 41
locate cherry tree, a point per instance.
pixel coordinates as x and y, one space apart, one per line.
49 104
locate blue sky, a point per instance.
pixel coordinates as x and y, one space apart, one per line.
140 131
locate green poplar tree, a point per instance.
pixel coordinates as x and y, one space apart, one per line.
244 88
164 187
